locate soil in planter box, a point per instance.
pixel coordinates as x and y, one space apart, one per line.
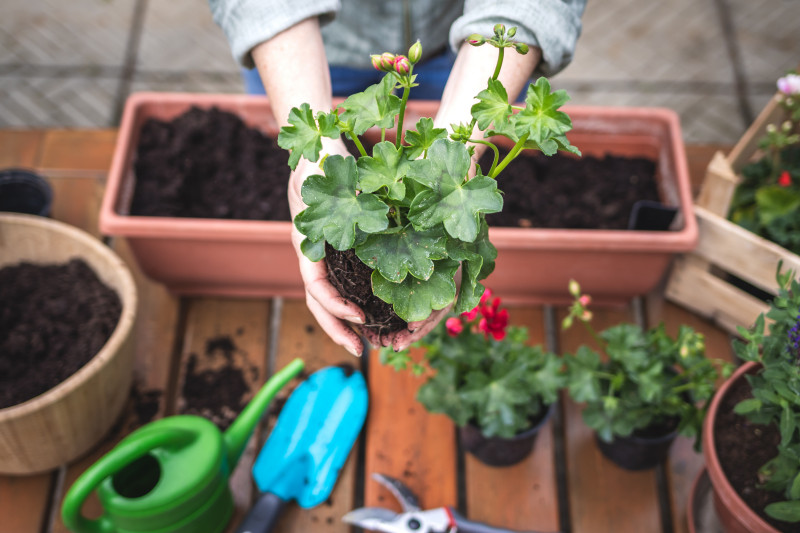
207 163
743 448
574 193
53 320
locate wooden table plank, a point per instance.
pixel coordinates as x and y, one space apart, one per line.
684 462
77 152
603 497
300 336
523 496
20 148
406 442
225 347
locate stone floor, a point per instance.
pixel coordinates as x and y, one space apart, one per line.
715 62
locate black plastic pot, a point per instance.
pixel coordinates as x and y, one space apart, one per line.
497 451
637 453
23 191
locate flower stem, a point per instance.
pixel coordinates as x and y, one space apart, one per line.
494 149
520 144
358 144
500 53
401 116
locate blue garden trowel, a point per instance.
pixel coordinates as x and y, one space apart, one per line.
311 440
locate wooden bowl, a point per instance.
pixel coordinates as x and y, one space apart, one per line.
65 422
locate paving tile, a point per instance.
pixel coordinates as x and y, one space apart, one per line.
57 32
180 35
675 40
63 102
200 82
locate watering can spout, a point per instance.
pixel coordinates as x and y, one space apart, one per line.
237 435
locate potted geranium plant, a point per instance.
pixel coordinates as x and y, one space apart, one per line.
495 386
751 437
409 210
644 390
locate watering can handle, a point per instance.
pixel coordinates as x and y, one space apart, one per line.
108 465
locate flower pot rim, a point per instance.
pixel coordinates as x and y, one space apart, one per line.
123 329
722 488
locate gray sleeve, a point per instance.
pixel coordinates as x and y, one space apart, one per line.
552 25
247 23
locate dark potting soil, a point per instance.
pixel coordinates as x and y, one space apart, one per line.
743 448
53 320
216 372
575 193
209 164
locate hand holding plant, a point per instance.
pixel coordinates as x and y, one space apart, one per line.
644 381
409 209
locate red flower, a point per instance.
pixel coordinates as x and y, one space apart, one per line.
495 320
785 180
454 326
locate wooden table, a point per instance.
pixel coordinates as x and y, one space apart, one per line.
565 485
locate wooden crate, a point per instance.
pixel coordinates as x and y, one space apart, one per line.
700 280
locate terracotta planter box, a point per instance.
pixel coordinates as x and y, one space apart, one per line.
199 256
699 280
195 256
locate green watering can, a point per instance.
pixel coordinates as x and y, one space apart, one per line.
171 475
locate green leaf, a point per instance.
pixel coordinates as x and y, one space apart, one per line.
303 136
422 139
334 207
477 263
794 490
315 251
414 299
541 120
451 200
747 406
492 106
375 106
775 201
386 168
786 511
397 253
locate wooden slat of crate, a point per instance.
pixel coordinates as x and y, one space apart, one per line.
300 336
404 441
242 325
734 250
77 152
684 462
524 496
23 499
603 497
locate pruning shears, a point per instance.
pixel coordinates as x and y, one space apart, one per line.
413 519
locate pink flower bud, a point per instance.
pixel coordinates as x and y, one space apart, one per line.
454 326
499 29
387 62
402 65
376 61
585 300
785 180
476 39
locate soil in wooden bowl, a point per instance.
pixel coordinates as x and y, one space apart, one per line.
53 320
209 164
743 448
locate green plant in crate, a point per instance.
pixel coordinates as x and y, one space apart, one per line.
767 201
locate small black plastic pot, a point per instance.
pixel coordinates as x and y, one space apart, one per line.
23 191
637 452
498 451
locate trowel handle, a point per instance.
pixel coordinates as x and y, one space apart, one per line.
122 455
263 515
